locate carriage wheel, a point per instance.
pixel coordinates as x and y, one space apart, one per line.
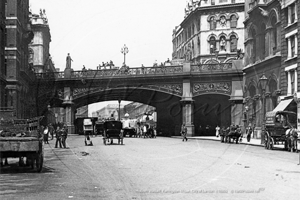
39 162
266 141
271 143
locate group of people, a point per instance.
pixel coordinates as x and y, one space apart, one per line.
145 130
107 65
61 134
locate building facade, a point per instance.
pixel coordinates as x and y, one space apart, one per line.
19 74
39 47
262 61
290 51
211 32
2 55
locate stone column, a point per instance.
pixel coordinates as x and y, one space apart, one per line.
69 110
297 100
187 104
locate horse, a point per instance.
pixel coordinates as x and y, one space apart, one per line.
291 135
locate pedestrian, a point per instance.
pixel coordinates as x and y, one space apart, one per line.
183 132
46 135
217 131
248 133
51 130
58 137
145 130
64 137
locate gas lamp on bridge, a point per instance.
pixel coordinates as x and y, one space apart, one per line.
124 51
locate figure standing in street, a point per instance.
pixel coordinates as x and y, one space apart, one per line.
217 131
51 130
249 132
46 135
58 137
64 134
183 132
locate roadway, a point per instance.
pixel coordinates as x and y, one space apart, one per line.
161 168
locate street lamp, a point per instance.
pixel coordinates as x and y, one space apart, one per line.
263 83
124 51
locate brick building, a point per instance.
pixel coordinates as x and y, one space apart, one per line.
290 60
19 74
2 53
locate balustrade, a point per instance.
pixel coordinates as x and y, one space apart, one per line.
139 71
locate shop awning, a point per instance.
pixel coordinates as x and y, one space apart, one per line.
283 105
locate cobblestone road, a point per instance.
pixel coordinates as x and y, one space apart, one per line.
161 168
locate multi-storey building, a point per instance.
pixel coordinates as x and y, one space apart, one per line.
19 75
39 48
290 51
262 60
2 53
211 32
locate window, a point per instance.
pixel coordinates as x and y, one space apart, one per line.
212 23
212 44
263 40
274 33
292 43
253 52
233 43
292 8
233 21
213 2
292 15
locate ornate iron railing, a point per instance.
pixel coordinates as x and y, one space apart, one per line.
205 68
110 73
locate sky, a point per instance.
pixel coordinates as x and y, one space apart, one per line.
94 31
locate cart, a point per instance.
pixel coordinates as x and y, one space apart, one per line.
21 138
280 129
112 130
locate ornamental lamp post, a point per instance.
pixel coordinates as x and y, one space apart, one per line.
124 51
263 83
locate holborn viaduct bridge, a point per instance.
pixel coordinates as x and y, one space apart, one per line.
197 95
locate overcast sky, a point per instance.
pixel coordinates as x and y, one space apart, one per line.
94 31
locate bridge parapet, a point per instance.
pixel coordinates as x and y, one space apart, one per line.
142 71
109 73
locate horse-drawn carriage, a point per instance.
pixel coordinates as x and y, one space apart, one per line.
112 130
280 129
232 133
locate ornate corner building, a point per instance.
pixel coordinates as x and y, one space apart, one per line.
211 32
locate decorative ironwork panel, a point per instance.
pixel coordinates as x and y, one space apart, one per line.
79 92
212 67
222 87
170 88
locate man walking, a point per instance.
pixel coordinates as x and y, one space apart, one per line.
183 132
58 137
64 134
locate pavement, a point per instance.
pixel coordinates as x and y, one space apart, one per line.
253 142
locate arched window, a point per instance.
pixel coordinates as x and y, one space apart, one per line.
272 89
274 33
233 43
263 40
233 21
212 44
253 52
212 22
222 43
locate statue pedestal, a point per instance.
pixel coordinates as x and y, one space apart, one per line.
67 73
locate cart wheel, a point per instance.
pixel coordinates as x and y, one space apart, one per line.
39 162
